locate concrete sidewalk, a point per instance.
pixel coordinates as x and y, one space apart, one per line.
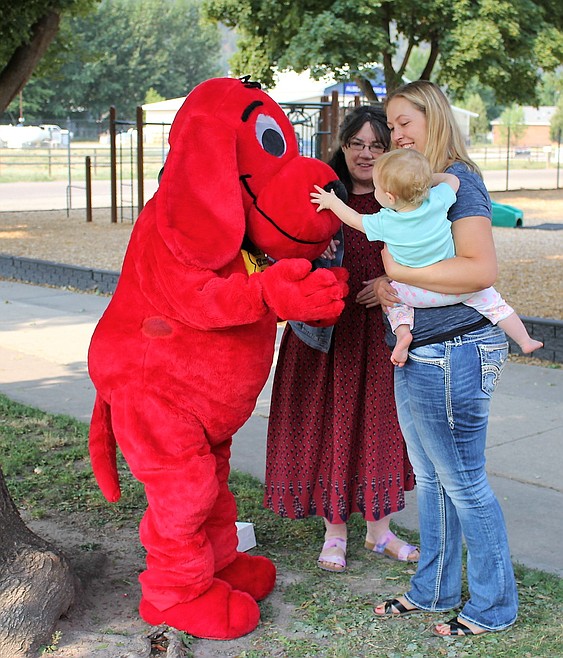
44 337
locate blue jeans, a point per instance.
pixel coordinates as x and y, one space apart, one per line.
443 397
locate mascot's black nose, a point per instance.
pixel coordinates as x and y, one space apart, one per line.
339 189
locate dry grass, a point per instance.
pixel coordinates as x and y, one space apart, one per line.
530 260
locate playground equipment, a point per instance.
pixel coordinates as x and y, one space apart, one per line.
505 215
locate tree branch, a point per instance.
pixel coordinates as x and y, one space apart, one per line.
391 78
431 61
367 88
21 65
405 61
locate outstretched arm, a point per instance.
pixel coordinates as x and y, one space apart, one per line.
329 201
473 268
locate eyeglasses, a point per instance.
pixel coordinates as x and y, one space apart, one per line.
375 148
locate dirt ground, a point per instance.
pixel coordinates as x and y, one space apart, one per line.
530 260
104 623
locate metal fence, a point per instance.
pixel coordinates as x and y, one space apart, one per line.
131 152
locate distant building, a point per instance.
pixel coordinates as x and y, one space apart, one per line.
158 117
294 87
301 88
537 121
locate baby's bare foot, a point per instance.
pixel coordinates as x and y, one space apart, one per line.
399 357
400 352
530 346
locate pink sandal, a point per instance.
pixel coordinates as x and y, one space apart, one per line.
382 548
333 555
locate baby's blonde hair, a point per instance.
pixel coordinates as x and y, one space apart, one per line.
404 173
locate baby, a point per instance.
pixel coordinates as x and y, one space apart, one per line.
414 224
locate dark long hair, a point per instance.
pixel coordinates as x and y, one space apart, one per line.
350 126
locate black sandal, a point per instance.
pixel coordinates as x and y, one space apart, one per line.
455 627
402 610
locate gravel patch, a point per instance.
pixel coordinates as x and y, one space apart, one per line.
530 260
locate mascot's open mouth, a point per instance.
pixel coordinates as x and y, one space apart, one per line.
336 185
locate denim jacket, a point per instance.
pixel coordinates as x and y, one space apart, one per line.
319 338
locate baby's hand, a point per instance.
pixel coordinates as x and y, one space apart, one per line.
322 198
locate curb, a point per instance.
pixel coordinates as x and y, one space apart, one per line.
47 273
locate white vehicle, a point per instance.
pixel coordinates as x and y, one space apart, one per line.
18 137
127 138
55 135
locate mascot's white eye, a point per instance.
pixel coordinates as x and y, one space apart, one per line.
270 135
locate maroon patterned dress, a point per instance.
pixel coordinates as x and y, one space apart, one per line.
334 444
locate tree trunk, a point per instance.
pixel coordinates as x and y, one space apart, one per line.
365 85
392 80
432 58
36 584
21 65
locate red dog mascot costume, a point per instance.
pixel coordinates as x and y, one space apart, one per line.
186 344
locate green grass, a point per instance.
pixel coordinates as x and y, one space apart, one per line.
45 165
45 463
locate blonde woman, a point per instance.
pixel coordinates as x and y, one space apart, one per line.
443 392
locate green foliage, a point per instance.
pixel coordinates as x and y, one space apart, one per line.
512 124
556 126
416 63
487 94
153 96
478 126
19 17
31 40
53 646
551 88
502 43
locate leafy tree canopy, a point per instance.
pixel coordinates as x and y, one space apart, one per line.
505 43
512 123
551 87
556 126
27 30
478 126
121 52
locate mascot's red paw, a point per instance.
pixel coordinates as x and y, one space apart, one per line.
221 613
253 574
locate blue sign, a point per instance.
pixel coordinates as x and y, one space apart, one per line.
352 89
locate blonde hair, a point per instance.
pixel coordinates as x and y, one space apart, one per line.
404 173
444 141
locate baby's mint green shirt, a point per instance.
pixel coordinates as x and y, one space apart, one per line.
419 237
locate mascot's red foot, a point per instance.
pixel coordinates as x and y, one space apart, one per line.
253 574
221 613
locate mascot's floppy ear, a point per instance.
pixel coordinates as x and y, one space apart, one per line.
199 209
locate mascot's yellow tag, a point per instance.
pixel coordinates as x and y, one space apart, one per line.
254 262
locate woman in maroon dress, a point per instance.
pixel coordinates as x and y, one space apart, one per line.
334 444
